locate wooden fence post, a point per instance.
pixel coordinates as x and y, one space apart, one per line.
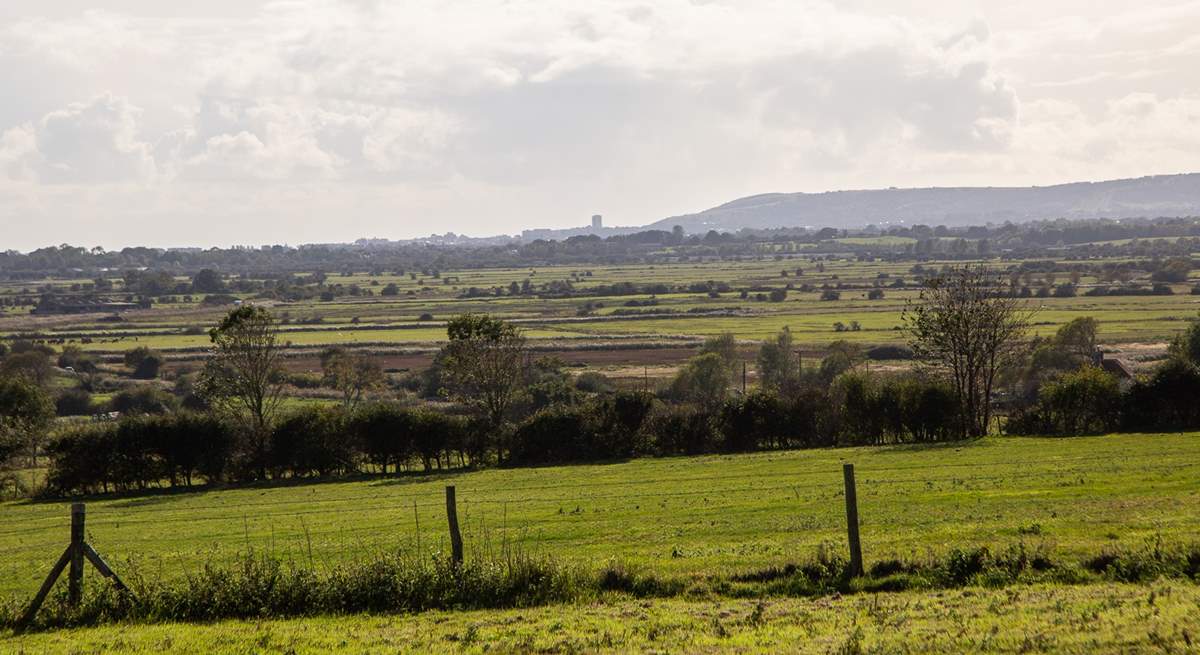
856 561
75 575
456 544
75 554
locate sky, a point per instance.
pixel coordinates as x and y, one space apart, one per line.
143 122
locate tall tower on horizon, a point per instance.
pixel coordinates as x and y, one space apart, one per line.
597 221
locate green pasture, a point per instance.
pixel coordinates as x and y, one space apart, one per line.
357 320
1093 619
678 516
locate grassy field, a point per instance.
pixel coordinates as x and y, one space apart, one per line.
379 320
1085 619
675 516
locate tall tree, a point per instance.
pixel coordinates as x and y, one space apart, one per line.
778 363
724 345
1078 337
704 380
969 324
484 364
242 375
25 413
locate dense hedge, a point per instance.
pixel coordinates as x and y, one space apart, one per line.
185 448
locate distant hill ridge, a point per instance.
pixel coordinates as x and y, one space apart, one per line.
1151 197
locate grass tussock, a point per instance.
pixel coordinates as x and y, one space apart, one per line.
263 586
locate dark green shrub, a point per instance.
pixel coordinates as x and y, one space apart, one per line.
143 399
73 402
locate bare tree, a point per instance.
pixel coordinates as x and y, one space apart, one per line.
242 375
969 324
484 364
352 374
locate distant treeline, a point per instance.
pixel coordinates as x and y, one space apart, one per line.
1073 238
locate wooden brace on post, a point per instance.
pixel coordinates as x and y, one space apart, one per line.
76 553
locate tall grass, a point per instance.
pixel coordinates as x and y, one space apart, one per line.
263 585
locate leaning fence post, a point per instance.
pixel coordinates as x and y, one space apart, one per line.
75 575
456 544
856 562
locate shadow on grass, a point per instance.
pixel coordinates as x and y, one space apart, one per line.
160 495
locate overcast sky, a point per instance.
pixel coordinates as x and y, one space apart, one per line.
244 122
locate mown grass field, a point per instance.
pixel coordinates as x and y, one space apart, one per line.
1090 619
673 516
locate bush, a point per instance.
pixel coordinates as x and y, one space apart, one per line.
74 402
143 399
145 363
1165 401
593 382
890 352
1086 401
830 294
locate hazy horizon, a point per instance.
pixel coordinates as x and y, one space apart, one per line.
304 121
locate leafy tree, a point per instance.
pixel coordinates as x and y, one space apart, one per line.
779 363
1175 270
144 362
842 356
724 345
25 413
1078 337
704 380
73 402
33 365
352 374
593 382
1186 345
1082 402
969 325
208 281
484 364
143 399
241 377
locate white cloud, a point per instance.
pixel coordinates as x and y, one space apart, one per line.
94 142
492 115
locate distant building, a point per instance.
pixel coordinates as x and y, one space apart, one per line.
1114 367
597 222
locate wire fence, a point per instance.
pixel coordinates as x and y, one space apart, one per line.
681 522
